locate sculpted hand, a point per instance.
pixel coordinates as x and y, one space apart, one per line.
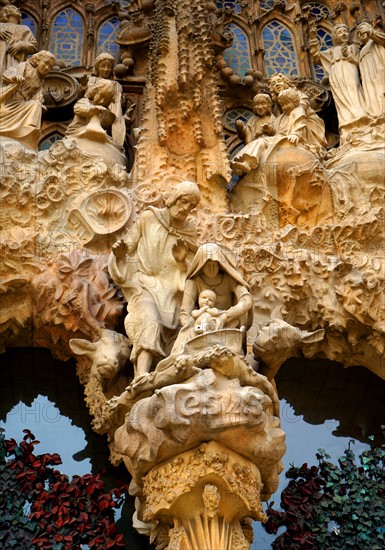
5 35
221 320
14 49
240 126
83 81
293 139
12 79
119 250
180 250
267 128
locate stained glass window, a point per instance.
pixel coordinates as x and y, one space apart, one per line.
50 140
238 56
266 4
233 4
325 41
67 37
106 37
279 49
318 10
28 20
234 114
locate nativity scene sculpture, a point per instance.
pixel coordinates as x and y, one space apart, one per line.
188 312
181 325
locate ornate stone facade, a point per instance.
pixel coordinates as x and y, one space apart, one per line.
289 248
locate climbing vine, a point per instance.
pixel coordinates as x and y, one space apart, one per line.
42 508
333 506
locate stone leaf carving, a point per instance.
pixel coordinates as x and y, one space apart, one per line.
74 295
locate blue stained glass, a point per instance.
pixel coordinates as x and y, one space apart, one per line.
238 56
49 140
234 114
279 49
233 4
266 4
318 10
325 41
29 21
67 37
106 37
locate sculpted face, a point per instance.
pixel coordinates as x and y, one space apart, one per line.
211 269
12 14
341 35
278 84
261 106
105 68
182 207
363 32
45 65
287 105
207 298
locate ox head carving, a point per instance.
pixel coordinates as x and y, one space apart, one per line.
108 355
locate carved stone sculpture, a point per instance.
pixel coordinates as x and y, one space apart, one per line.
150 267
291 126
215 396
276 341
254 129
16 40
21 99
103 69
108 355
372 68
212 269
197 426
205 317
93 120
341 64
285 166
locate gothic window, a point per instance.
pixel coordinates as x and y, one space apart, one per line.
238 56
234 114
325 41
233 4
29 21
266 4
67 37
106 37
319 11
279 49
50 140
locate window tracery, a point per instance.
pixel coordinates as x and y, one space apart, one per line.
234 114
325 40
279 49
235 5
238 56
318 10
106 37
49 140
67 36
266 4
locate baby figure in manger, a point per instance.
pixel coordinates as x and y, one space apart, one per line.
206 316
